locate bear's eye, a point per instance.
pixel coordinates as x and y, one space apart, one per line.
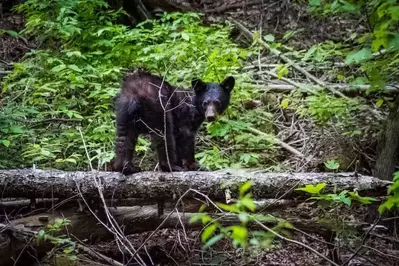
205 103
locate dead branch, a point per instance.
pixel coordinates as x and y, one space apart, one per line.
279 142
345 88
4 73
249 35
231 6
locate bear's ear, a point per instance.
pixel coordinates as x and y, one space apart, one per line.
228 83
198 85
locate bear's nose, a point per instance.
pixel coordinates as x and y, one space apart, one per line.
210 118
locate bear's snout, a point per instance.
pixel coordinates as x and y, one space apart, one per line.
210 118
210 113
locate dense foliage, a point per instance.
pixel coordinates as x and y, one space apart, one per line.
375 49
60 96
67 85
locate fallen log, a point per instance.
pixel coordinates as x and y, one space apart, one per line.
18 232
37 183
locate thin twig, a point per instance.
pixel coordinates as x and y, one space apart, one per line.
294 242
363 241
117 230
281 143
381 253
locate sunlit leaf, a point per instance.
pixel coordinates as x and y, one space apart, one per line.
213 240
244 188
312 189
207 233
358 56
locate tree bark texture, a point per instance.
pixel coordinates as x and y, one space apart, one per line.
387 157
30 183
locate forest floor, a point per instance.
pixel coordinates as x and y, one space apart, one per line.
176 246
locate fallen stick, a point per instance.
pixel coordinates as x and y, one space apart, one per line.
255 64
4 73
289 81
340 87
287 60
279 142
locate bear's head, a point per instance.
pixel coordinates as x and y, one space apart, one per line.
212 98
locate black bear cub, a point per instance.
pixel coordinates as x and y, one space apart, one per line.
147 104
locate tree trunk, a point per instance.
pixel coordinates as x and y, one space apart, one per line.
387 158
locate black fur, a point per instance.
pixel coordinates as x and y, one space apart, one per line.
141 110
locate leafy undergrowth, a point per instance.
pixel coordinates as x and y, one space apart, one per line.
61 94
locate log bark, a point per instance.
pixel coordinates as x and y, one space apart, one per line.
37 183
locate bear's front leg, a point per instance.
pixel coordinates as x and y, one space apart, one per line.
189 154
166 148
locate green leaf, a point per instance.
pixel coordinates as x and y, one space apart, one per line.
312 189
5 142
11 33
240 235
254 242
206 219
315 2
213 240
185 36
230 208
202 208
41 233
358 56
282 70
269 38
249 203
331 164
16 129
387 205
70 160
245 187
243 217
363 200
75 67
208 231
379 102
196 217
58 68
68 250
284 103
346 200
